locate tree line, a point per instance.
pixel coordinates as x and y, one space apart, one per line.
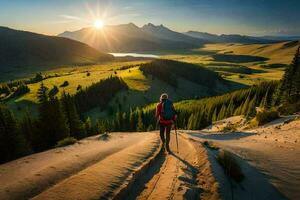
169 70
289 88
57 119
197 114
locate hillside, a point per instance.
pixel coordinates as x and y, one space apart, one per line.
179 79
281 52
130 38
21 49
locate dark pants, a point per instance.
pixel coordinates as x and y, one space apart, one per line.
165 129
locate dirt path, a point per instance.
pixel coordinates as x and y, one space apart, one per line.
182 175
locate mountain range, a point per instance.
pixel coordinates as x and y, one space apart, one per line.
231 38
22 48
131 38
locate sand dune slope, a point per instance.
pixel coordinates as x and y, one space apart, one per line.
273 149
112 160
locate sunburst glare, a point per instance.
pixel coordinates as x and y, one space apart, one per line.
98 24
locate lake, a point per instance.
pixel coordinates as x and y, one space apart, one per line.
135 55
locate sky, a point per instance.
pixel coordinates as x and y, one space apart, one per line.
248 17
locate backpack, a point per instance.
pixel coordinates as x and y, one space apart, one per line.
167 110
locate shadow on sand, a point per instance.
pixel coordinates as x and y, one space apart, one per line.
140 184
223 136
254 186
188 178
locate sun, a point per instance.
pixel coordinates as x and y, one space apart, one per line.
98 24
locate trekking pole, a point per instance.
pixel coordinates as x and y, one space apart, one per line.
175 128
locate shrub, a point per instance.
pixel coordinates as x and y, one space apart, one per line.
79 87
66 141
230 165
288 108
53 91
21 89
65 84
229 128
266 116
150 128
252 124
104 136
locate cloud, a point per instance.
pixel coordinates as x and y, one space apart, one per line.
70 17
67 19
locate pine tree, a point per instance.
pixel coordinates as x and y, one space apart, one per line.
52 124
140 125
118 124
265 100
12 142
251 107
88 126
214 116
132 125
290 81
59 127
245 107
75 125
42 94
230 109
41 139
190 125
28 128
124 122
295 90
222 113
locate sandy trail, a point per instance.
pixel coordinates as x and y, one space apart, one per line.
183 175
273 149
169 182
28 176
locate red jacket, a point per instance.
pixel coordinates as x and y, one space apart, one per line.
160 118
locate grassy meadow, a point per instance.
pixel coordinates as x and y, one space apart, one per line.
240 64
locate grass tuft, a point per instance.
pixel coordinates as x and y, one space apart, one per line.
266 116
210 145
65 142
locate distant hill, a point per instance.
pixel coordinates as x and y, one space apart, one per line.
27 49
277 53
130 38
280 38
232 38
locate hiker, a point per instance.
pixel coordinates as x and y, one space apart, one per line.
166 116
